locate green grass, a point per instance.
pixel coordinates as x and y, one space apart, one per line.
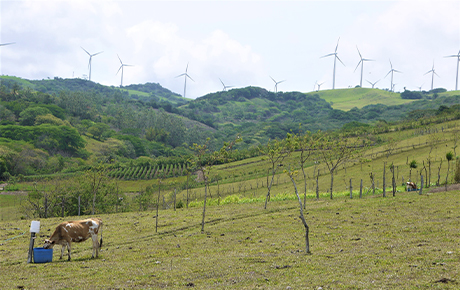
406 242
346 99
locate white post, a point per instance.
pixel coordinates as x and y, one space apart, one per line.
34 228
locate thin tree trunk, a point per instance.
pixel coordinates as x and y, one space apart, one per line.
361 189
307 240
158 205
204 204
305 187
351 190
267 199
384 189
332 181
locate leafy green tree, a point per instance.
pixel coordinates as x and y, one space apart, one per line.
98 130
276 151
28 116
334 151
48 119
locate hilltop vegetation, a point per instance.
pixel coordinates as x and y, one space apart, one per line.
78 124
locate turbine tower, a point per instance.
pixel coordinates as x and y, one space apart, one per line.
362 64
225 87
185 78
392 71
458 61
276 84
90 57
432 71
335 58
121 68
373 84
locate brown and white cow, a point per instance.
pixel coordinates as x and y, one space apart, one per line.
410 185
76 231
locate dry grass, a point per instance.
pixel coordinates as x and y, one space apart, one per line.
406 242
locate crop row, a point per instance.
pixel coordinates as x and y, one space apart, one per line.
148 172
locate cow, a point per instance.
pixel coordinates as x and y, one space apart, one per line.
411 185
76 231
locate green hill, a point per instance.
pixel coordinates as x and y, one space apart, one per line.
346 99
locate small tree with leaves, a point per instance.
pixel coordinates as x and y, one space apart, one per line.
276 151
335 151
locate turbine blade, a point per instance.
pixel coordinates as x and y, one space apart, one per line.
222 82
359 53
339 59
273 79
9 43
337 46
119 59
97 53
330 54
388 73
187 76
121 66
180 75
358 65
397 71
86 51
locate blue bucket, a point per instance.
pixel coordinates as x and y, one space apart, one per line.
42 255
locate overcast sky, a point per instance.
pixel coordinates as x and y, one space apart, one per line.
241 42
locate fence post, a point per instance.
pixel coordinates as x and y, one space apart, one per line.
383 185
79 200
351 190
361 189
421 184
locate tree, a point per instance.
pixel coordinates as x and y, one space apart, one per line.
302 218
335 151
203 162
306 144
276 151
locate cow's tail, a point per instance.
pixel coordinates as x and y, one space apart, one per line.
100 243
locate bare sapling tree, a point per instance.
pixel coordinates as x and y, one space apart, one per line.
301 207
276 152
158 204
449 157
306 144
390 147
335 150
202 162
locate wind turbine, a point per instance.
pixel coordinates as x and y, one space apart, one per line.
121 68
392 71
90 57
362 64
335 58
432 75
373 84
319 86
276 84
185 77
225 87
458 60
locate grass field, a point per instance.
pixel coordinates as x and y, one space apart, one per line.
403 242
346 99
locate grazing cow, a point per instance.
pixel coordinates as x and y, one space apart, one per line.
410 185
75 231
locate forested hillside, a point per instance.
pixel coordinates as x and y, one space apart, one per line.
67 125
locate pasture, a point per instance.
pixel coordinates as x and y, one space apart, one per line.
409 241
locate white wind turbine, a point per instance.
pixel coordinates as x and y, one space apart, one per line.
458 61
121 68
225 87
335 58
185 78
90 58
433 72
373 84
276 84
362 64
392 71
319 86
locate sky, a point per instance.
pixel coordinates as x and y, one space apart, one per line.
241 43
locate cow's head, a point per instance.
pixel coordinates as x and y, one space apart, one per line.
48 244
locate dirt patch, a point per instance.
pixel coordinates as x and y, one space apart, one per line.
443 188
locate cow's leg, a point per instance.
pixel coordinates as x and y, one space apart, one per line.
68 249
62 251
95 245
